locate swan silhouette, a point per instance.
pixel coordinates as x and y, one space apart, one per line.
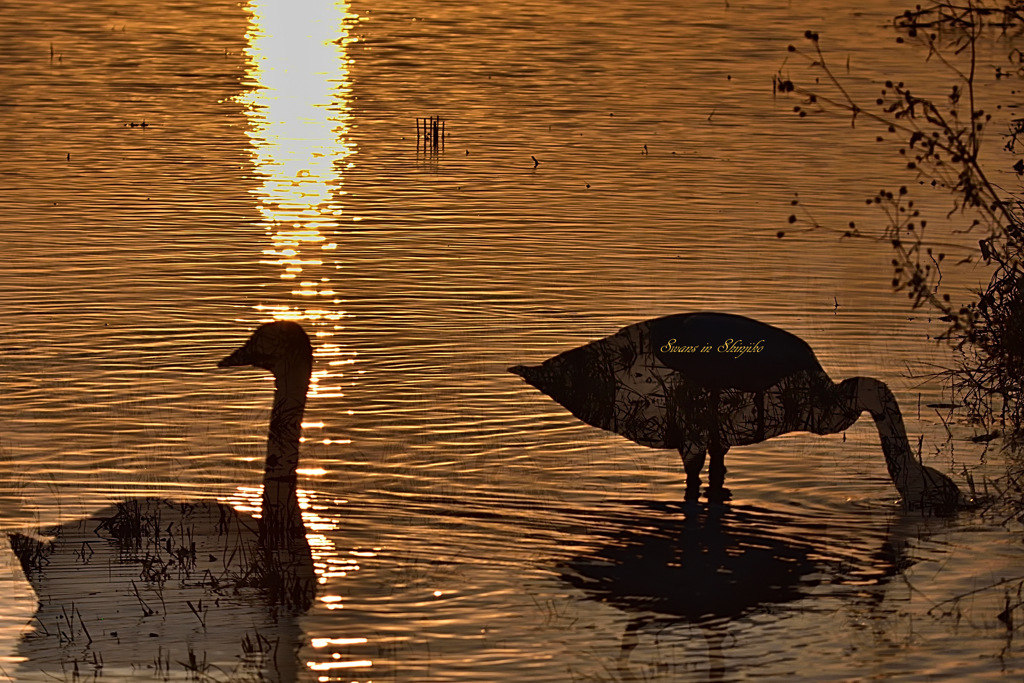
704 382
197 580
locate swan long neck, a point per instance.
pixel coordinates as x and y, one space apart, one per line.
919 486
281 517
877 399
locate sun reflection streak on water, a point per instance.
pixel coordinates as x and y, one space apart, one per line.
299 116
297 106
327 564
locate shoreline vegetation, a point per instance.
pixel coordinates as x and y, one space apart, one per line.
941 142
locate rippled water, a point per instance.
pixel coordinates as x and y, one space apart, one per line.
472 529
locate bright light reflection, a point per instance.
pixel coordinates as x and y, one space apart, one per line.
299 118
324 642
315 666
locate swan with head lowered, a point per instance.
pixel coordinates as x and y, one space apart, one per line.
196 583
705 382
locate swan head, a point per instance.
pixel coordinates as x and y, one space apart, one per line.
273 346
926 488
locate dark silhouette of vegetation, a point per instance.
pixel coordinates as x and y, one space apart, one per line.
941 140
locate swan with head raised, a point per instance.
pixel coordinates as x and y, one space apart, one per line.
149 572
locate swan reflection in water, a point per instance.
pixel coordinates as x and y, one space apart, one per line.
710 566
704 382
149 587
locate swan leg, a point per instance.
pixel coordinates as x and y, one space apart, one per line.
693 462
716 474
716 471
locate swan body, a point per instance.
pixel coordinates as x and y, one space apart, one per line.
148 573
704 382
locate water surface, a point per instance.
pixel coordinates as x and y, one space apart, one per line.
471 528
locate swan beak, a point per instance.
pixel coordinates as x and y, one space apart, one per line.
242 356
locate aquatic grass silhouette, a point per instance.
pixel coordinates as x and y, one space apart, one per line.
430 134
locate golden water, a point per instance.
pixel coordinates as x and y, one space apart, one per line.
278 175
